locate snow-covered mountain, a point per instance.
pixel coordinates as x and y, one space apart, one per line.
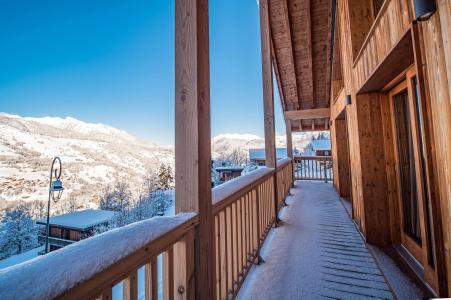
93 156
224 145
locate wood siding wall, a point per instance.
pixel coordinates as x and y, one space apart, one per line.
436 35
372 162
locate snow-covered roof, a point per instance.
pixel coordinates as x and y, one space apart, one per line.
259 154
229 168
20 258
47 276
80 220
321 145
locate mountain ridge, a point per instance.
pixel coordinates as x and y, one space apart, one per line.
94 155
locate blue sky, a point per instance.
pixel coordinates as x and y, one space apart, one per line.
112 62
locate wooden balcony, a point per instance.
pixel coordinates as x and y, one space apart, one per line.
244 213
318 253
213 247
313 168
385 39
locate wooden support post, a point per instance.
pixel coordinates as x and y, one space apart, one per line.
290 145
268 96
193 140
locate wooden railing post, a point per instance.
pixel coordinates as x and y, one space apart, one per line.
193 138
325 170
258 233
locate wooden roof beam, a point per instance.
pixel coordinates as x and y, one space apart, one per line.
282 54
279 82
306 114
310 50
290 40
301 29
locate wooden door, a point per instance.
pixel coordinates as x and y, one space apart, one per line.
412 194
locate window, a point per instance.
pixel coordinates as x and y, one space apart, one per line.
377 5
406 163
422 148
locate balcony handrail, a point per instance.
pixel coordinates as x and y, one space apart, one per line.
91 267
85 269
227 192
244 211
370 33
283 162
312 157
313 168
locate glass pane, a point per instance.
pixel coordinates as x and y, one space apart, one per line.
431 255
407 167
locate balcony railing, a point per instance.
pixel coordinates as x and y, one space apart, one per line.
313 168
390 25
55 241
244 212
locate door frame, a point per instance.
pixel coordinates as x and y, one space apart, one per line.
415 253
408 242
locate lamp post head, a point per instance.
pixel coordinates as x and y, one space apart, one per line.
56 186
56 189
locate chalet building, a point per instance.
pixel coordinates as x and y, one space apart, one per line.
257 156
377 74
321 148
227 173
72 227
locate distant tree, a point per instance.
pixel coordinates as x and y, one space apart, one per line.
38 209
151 182
250 166
237 157
19 232
118 199
165 177
147 206
214 176
69 206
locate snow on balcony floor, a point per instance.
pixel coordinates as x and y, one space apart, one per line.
318 253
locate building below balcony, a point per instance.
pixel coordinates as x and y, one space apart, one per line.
72 227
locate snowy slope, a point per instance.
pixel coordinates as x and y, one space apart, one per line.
226 144
93 156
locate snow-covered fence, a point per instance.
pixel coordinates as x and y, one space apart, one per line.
284 180
90 268
313 168
244 212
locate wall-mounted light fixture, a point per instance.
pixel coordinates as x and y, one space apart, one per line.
330 123
424 9
348 99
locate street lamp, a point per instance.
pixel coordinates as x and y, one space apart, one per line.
55 192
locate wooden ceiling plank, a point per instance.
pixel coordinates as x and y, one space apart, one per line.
307 114
283 54
300 17
291 55
310 48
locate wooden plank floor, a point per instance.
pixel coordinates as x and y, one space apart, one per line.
316 254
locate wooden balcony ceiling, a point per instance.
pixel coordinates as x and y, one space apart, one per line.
300 32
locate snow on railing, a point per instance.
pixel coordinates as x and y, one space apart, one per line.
50 275
283 162
313 168
229 188
244 211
